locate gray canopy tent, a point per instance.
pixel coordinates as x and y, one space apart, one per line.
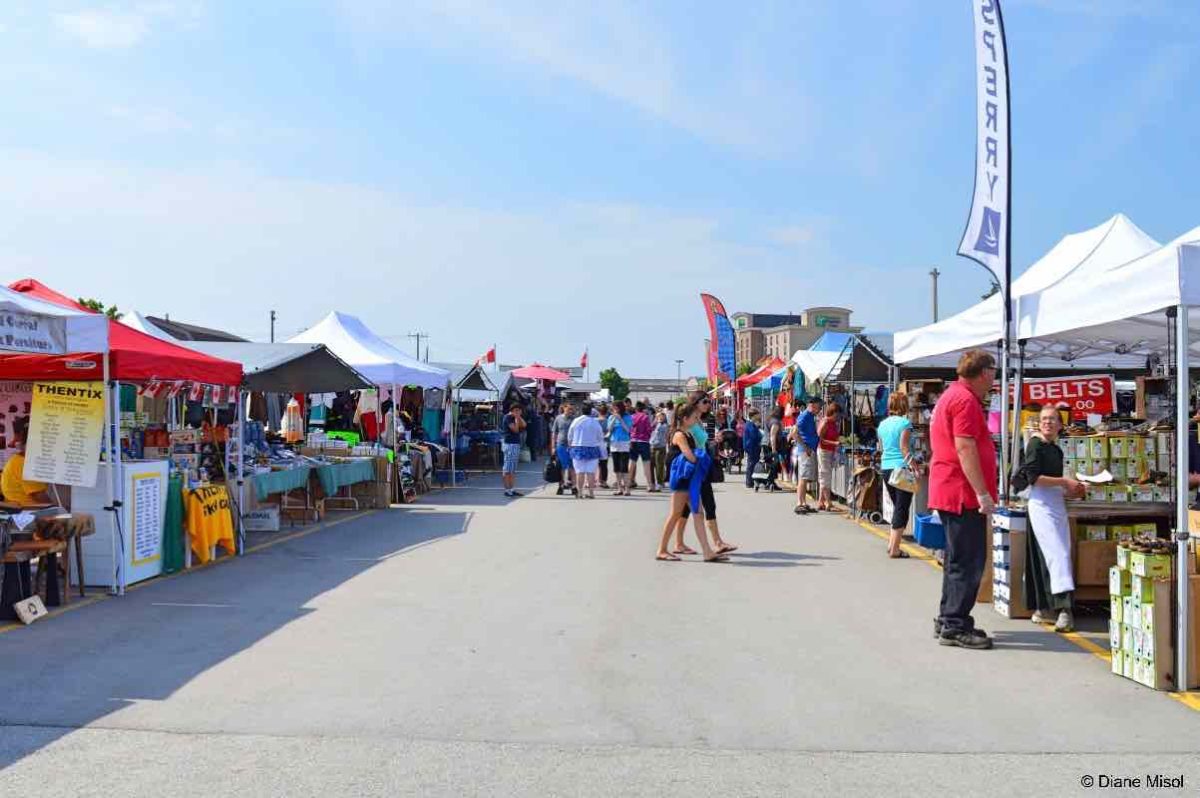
286 368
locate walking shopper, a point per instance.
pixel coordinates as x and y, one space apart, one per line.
620 427
586 437
603 415
777 451
806 442
513 425
560 431
752 446
685 447
829 433
895 438
641 428
1049 580
659 439
707 497
962 488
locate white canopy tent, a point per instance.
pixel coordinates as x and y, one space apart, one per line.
1139 307
143 325
815 365
374 358
1072 261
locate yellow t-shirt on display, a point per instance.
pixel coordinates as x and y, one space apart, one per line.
14 486
208 518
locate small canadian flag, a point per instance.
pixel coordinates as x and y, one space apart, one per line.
196 394
174 390
218 394
583 360
152 389
487 357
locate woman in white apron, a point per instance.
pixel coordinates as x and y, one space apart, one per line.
1049 582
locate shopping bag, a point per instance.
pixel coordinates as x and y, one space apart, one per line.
902 478
553 471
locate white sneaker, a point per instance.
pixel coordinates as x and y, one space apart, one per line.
1037 617
1065 622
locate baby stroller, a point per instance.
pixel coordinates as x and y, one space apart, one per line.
761 477
729 450
866 489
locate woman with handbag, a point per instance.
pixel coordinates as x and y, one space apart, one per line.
899 472
829 434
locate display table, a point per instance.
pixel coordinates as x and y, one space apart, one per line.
280 481
336 476
49 536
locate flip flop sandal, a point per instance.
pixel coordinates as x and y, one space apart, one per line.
903 555
718 558
726 549
684 550
666 558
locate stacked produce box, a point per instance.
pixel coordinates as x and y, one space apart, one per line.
1140 465
1140 634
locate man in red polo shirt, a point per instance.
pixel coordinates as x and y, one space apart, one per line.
962 488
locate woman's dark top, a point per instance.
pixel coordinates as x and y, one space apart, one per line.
675 451
1042 459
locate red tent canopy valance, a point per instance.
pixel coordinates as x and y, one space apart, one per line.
133 355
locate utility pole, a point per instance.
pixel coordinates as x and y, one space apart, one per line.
272 326
935 274
419 336
679 373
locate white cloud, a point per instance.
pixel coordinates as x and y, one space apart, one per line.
113 29
221 245
104 29
720 91
149 120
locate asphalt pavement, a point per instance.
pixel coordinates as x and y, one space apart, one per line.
473 644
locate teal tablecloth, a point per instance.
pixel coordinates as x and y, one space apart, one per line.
338 475
279 481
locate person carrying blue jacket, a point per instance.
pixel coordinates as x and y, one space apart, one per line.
689 466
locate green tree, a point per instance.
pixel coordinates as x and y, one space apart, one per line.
745 368
617 385
97 306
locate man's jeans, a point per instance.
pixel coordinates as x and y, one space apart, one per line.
966 557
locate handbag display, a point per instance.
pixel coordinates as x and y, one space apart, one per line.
902 478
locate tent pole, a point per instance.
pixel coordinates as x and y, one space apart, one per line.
854 441
453 436
396 445
239 425
119 495
1015 453
112 473
1182 402
1004 432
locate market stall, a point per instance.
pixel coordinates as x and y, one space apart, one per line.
389 369
139 481
67 450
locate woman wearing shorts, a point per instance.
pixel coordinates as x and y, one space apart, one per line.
829 432
586 437
684 444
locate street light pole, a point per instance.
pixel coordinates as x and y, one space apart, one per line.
935 274
679 375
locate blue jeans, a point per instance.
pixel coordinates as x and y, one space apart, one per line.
752 459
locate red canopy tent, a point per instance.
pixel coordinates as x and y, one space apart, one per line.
760 374
133 355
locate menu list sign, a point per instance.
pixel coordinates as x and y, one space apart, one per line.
146 517
65 429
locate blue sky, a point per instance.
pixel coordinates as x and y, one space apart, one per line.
556 176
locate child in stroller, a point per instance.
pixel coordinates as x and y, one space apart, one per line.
729 449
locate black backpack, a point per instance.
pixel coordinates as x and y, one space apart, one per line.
553 471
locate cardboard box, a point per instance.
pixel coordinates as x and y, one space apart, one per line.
1163 495
1118 447
1145 529
1117 663
1121 531
262 519
1123 558
1118 494
188 436
1147 446
1093 558
1114 635
1093 532
156 453
1097 447
1130 615
1162 461
1117 469
1002 556
1097 493
1116 608
1126 637
1142 588
1120 582
1127 665
1012 572
1011 521
1153 566
1143 494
